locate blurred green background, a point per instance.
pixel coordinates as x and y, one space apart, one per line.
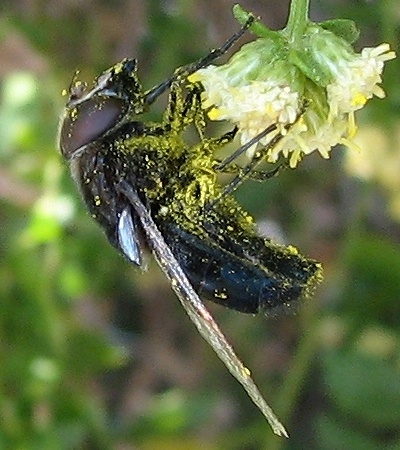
96 355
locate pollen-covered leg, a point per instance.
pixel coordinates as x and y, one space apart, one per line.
260 155
183 110
249 171
209 146
193 110
225 139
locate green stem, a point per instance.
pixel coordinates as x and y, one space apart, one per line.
298 19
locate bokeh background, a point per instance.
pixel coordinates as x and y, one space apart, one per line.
95 354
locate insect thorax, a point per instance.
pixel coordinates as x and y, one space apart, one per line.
176 180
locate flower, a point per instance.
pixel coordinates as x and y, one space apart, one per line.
358 81
309 88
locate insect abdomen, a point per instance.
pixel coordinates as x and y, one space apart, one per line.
225 278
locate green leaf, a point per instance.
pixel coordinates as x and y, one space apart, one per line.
372 281
366 390
334 434
343 28
88 353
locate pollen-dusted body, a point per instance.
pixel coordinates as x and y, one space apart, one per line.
217 247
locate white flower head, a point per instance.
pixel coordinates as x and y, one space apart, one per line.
269 80
358 80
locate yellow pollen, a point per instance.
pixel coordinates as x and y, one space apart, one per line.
194 77
359 99
246 372
269 109
214 114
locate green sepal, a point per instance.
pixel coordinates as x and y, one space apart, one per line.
258 28
344 28
304 60
318 54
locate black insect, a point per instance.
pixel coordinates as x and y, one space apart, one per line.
146 186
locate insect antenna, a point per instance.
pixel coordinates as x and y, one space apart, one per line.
185 71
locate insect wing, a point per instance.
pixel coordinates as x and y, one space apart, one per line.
128 237
195 308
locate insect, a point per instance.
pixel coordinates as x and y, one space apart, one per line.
146 186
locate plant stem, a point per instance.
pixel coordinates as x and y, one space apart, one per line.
298 19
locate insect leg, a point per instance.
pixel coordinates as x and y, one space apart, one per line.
226 165
242 149
249 169
192 109
255 175
195 308
226 138
182 112
246 172
185 71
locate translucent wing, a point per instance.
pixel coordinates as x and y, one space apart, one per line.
195 308
128 237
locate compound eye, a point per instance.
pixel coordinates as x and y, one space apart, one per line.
88 121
